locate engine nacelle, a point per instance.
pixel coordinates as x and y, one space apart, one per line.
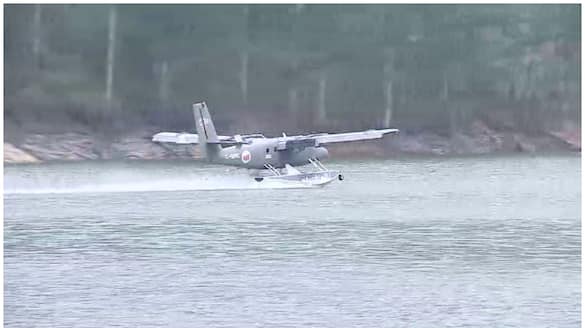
321 153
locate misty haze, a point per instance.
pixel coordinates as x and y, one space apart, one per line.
292 165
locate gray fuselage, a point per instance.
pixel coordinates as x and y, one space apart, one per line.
262 151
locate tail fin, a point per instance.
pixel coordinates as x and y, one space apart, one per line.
206 130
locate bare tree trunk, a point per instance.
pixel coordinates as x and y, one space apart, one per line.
244 76
111 55
450 109
293 92
36 46
445 90
244 58
565 96
388 87
389 104
321 100
164 83
293 100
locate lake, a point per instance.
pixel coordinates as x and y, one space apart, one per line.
409 242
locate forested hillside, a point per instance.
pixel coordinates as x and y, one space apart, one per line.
293 67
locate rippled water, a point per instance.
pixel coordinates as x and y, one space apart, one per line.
473 242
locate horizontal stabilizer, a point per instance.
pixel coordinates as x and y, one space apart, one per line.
174 137
191 138
228 142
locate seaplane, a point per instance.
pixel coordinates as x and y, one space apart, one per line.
270 159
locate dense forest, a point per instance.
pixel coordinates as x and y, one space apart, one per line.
293 67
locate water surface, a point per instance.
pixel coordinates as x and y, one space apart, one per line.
467 242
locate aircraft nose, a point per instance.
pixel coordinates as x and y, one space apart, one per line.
322 153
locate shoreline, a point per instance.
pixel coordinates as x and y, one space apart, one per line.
479 140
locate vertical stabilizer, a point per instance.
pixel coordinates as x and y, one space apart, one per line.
205 127
206 130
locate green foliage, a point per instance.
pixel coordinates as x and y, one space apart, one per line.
479 59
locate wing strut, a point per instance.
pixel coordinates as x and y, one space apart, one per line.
317 164
272 169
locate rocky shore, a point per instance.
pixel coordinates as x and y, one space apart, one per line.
480 139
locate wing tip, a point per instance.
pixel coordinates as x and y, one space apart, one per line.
385 131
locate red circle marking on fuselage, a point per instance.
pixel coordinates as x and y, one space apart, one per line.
246 156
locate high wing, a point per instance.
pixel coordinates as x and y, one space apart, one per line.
298 142
315 140
353 136
191 138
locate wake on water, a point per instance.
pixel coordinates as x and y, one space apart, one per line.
137 183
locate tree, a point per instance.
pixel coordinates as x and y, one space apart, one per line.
112 22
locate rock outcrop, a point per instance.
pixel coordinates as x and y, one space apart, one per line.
16 155
479 138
